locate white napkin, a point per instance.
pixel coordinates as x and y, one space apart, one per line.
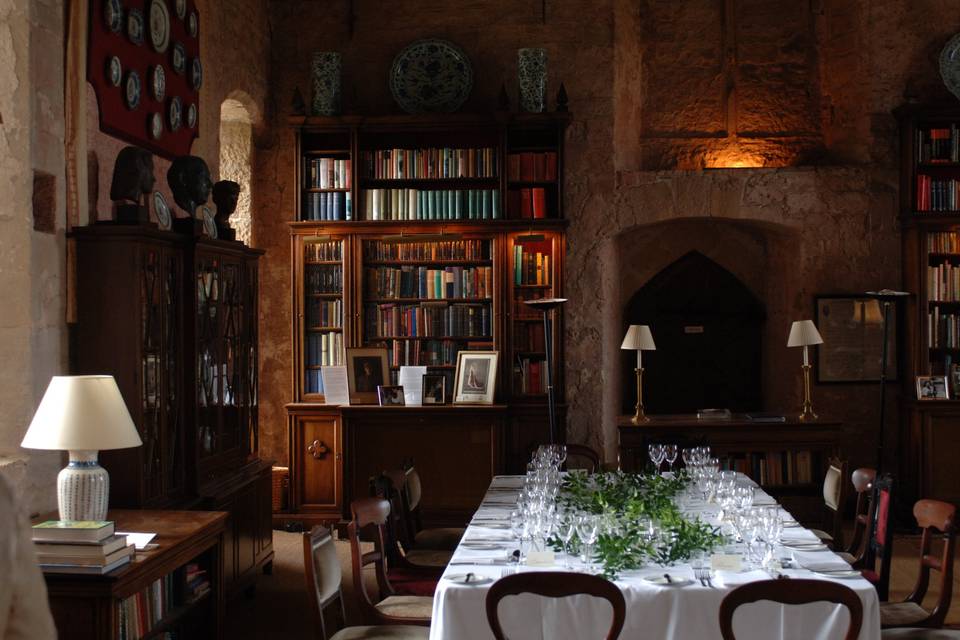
819 561
735 579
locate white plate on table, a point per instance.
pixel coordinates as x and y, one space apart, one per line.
839 573
675 581
482 546
805 546
468 579
491 525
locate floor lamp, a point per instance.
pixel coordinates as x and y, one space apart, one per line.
886 298
546 305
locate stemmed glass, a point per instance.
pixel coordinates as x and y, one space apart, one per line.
566 528
656 453
688 457
670 453
588 526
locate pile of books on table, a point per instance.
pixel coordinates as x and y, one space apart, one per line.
87 546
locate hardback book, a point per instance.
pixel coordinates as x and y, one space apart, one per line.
56 558
96 570
72 531
97 549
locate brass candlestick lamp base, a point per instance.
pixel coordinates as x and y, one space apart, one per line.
640 415
806 411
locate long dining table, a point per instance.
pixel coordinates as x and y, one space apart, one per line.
654 611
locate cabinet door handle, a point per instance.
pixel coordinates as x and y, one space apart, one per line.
318 450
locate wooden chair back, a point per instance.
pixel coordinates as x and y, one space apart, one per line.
794 592
413 492
834 498
584 458
937 519
370 516
879 547
322 572
556 584
862 480
391 486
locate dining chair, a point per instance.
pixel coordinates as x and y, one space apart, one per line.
834 498
324 589
937 520
583 457
879 547
793 592
556 584
370 515
402 551
437 538
862 480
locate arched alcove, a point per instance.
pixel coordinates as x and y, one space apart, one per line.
236 146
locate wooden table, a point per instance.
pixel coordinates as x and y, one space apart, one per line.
86 606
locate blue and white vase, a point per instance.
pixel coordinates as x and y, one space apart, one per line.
325 72
532 74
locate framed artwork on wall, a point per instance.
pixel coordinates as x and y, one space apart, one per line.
852 331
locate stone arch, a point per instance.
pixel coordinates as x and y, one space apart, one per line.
238 116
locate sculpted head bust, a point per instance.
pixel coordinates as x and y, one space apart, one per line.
132 175
225 196
189 180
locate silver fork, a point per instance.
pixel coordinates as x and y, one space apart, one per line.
698 574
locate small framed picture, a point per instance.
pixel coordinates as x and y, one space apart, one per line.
434 389
476 377
932 388
390 396
367 369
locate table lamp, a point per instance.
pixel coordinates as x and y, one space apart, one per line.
803 333
82 415
639 339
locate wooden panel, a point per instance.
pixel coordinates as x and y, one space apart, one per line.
941 436
318 478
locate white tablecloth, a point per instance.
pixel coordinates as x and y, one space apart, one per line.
689 612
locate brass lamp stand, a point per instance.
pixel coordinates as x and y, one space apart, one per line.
639 339
640 415
803 333
806 411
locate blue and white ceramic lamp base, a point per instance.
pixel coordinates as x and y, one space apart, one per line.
83 488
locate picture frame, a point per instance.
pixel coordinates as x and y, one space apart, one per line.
434 389
852 330
932 388
390 395
476 377
367 369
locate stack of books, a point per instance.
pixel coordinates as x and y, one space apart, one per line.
198 585
87 546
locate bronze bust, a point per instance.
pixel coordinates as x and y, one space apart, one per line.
132 179
225 196
189 180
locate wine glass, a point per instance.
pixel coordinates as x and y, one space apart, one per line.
670 453
655 451
688 456
588 526
566 529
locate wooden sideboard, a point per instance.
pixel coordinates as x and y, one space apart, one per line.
787 458
87 607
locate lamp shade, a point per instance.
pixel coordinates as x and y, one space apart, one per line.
803 333
638 338
82 413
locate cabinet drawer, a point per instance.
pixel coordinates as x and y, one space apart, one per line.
317 472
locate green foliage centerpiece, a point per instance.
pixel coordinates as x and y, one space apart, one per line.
628 504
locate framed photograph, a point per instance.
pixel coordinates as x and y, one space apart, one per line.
932 388
434 389
390 396
852 349
476 377
367 369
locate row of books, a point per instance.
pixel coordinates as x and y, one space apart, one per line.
943 330
435 284
427 320
532 166
527 203
530 268
530 375
323 278
324 313
435 204
313 381
445 162
197 583
326 173
323 251
328 206
938 144
429 353
324 348
943 242
773 468
420 251
943 283
937 195
85 547
528 337
141 612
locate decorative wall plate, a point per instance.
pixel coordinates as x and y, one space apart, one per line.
192 115
196 74
431 76
181 9
159 17
950 65
209 222
175 113
192 24
113 15
155 125
135 26
158 82
162 210
114 71
178 58
131 93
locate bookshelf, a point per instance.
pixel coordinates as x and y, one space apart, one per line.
930 223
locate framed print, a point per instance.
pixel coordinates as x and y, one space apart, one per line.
932 388
852 349
390 396
476 377
434 389
367 369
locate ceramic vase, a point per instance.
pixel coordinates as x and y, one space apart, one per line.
325 71
532 76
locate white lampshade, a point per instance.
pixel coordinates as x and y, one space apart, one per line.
803 333
82 413
638 338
